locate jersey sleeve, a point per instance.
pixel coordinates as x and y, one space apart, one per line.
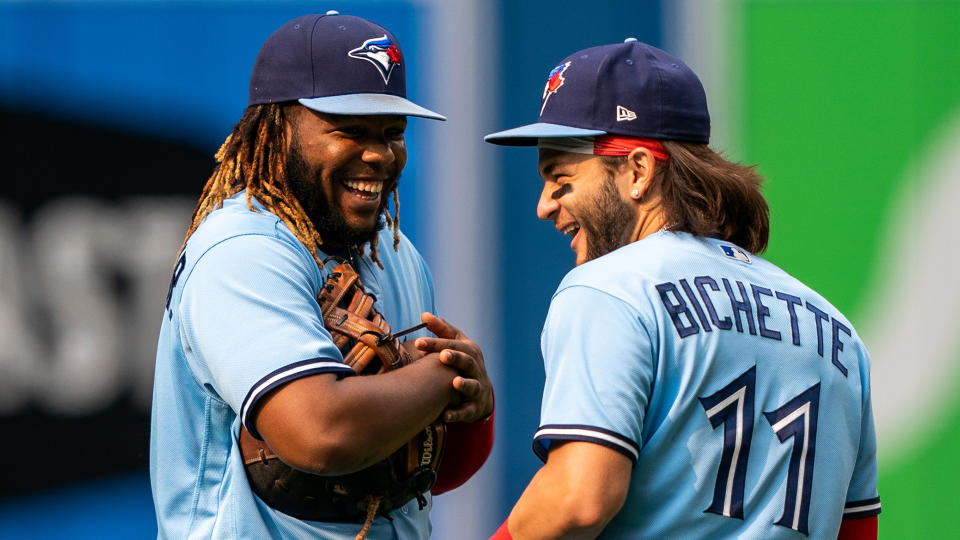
250 322
599 362
862 497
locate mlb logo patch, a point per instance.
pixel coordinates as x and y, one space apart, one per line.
735 253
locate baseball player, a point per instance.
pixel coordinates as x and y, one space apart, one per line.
693 389
246 363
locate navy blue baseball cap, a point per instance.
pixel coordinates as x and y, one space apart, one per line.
629 89
335 64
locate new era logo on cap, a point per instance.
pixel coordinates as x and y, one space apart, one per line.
624 114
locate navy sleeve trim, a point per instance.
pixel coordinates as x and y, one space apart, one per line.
861 509
284 375
565 432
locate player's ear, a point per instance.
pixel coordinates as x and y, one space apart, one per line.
641 163
291 116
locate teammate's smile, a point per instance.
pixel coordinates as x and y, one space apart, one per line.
572 230
367 190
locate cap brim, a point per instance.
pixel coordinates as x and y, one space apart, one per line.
529 135
368 104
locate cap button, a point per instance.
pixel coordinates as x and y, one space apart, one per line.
630 40
333 12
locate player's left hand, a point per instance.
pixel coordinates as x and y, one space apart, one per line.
462 354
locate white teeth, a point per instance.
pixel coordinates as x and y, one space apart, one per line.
571 229
371 187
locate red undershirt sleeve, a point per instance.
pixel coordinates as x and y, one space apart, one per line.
468 445
858 529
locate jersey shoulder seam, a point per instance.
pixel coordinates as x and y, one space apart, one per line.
221 241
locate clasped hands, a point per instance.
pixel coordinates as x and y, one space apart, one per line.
463 355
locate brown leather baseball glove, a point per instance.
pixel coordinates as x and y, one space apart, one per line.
368 346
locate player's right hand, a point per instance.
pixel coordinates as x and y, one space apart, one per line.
463 355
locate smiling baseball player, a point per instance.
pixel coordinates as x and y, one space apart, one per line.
284 404
693 389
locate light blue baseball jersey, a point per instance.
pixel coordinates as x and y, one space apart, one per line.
741 395
241 319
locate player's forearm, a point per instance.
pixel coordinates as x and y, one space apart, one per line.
551 508
340 426
548 518
574 495
376 415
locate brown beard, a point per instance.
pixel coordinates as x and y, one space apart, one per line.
327 216
607 220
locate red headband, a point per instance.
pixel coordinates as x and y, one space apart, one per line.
616 145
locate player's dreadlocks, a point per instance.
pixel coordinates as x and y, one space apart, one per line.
254 157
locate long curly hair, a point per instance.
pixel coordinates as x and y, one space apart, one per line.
703 193
253 158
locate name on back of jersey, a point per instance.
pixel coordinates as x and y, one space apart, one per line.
704 304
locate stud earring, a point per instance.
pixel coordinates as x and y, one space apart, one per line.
635 194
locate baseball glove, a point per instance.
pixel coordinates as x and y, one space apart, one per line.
368 346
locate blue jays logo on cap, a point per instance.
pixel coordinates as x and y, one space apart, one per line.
735 253
381 52
554 82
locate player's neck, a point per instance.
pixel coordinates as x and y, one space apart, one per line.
650 219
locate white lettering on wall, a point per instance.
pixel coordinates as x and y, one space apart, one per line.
82 291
